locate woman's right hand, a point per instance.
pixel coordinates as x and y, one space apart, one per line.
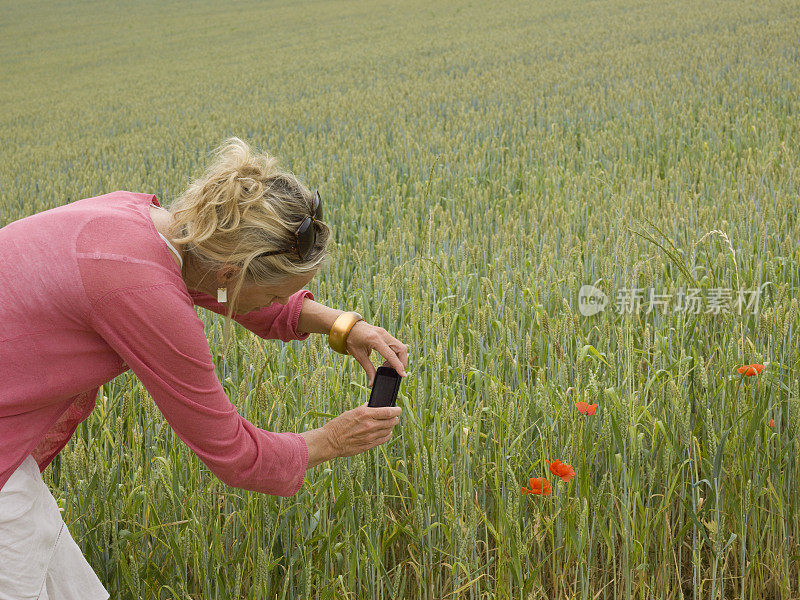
352 432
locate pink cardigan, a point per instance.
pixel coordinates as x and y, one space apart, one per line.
88 290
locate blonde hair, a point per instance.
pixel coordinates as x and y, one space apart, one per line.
241 206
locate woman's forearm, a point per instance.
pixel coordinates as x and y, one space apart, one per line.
316 317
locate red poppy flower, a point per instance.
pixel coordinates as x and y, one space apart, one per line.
772 422
750 370
562 470
585 408
538 485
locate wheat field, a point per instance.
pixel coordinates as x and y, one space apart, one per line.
479 162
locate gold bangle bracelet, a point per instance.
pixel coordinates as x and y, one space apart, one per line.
341 329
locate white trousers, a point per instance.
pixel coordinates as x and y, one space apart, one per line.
39 560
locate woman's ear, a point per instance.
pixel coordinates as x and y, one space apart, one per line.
226 273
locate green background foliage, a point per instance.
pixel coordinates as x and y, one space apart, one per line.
479 162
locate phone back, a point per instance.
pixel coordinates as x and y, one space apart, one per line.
385 387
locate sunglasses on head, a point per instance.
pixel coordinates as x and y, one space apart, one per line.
306 234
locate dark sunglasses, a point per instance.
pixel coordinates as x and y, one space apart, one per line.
306 234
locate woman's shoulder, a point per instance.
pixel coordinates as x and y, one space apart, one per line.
73 216
119 248
118 203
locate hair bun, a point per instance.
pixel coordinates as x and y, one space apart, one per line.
242 205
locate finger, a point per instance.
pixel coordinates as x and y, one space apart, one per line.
381 427
402 354
387 425
401 350
377 433
366 363
383 413
380 437
389 354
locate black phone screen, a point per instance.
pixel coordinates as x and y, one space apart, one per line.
384 388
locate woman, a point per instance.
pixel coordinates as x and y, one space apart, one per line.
98 286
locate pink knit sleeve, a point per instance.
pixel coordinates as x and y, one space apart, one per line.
276 322
157 332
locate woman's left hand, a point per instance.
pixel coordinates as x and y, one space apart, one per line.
364 338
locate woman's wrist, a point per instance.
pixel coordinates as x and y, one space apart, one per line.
320 448
337 338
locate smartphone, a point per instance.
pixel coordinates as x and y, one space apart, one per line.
385 387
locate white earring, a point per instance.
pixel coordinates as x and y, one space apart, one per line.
222 294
